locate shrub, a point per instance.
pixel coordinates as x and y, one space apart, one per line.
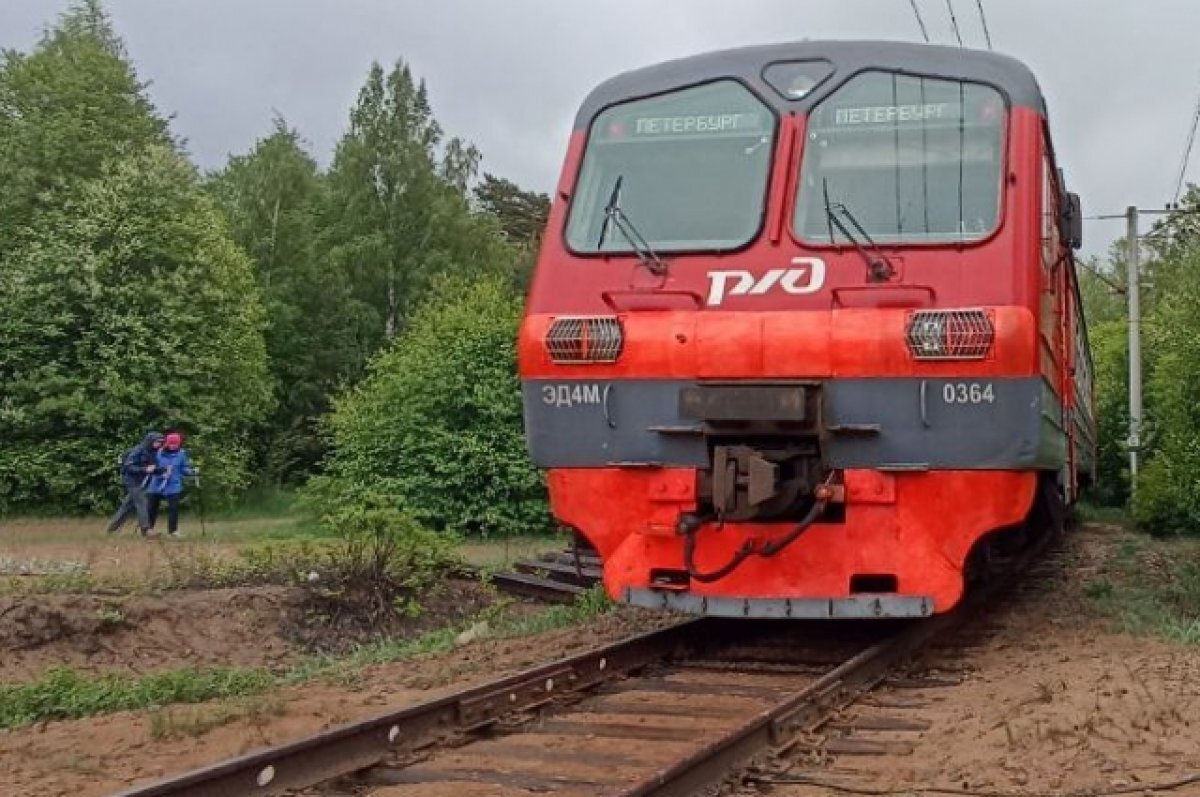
1110 353
373 581
435 429
1161 505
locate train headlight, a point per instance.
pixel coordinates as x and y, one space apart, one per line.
585 339
949 334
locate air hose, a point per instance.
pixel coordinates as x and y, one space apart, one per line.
748 548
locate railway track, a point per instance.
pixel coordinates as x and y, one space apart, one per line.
556 576
670 712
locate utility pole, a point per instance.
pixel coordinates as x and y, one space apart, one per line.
1133 294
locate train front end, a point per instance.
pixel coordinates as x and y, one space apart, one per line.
786 351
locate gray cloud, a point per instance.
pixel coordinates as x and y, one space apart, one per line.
1121 78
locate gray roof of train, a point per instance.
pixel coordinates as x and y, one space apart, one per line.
848 57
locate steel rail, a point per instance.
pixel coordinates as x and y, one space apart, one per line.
775 727
360 745
713 763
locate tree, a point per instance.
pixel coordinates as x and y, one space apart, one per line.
398 214
124 304
1110 354
435 429
522 214
126 308
65 110
273 198
1167 498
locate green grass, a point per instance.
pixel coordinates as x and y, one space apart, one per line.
266 512
263 501
1093 513
1151 587
69 694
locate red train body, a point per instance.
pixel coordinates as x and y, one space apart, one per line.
804 329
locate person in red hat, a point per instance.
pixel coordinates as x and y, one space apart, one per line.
173 465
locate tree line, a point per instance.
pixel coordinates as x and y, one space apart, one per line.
357 321
243 306
1165 497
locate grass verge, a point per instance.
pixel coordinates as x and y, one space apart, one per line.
69 694
282 562
1151 587
1095 513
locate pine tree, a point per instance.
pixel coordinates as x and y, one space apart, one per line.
521 214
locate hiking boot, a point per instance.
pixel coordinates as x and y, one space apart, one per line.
175 535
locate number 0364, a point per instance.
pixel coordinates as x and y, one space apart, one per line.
968 393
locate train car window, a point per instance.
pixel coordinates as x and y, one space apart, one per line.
688 171
908 159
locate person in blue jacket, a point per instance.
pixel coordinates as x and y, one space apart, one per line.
138 466
173 464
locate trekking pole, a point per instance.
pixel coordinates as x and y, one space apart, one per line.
200 502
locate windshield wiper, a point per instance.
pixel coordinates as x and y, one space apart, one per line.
614 216
879 268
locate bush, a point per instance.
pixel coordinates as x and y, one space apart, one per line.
1110 353
435 429
375 581
1162 504
1168 488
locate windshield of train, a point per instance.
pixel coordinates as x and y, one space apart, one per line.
911 159
688 170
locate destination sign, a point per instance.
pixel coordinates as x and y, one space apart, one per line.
694 124
885 114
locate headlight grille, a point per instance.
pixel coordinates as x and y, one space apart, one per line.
950 334
585 339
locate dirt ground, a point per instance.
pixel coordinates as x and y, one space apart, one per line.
1043 699
268 627
120 622
203 628
101 755
1044 696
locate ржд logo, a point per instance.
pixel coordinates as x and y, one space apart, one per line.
807 275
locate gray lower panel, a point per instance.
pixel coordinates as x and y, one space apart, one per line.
855 607
911 423
970 424
586 423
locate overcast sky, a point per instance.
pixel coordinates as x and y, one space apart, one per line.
1121 77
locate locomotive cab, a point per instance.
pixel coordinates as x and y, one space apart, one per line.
804 328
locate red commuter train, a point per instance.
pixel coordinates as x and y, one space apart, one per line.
805 338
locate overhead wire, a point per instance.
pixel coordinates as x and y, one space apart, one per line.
1187 153
983 19
917 13
954 22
